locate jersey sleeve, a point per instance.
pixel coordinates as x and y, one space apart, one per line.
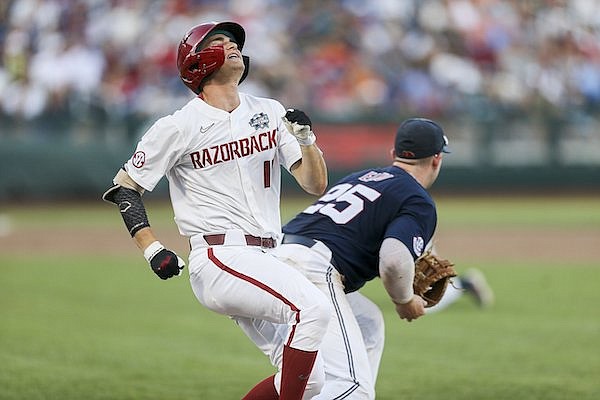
289 148
157 151
415 224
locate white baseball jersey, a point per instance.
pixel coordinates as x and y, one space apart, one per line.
223 167
224 178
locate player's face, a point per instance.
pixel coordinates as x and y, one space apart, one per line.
233 64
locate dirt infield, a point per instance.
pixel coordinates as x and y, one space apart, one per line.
570 246
463 245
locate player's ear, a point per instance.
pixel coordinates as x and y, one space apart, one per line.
393 153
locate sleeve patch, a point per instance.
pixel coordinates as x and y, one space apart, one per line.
138 159
418 245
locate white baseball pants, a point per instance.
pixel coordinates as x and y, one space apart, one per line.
353 345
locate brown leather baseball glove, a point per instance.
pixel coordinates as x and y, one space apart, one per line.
432 275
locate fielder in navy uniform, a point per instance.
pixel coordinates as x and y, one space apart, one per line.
372 223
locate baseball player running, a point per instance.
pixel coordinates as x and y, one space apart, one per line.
375 222
221 154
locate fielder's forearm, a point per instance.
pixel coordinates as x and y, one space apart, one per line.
397 270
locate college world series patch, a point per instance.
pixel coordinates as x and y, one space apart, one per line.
260 120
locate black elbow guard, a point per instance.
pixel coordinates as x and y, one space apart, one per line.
131 206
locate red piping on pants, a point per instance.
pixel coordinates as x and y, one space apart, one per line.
252 281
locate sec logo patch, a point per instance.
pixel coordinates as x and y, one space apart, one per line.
418 245
138 159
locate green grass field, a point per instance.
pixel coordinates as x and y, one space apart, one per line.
102 326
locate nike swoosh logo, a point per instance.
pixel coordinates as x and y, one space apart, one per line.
124 206
205 129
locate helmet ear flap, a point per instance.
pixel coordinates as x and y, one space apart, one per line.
198 66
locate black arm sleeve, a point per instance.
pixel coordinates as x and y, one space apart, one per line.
131 206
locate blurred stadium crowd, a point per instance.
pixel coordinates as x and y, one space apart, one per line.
345 60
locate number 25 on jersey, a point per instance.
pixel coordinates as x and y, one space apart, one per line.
342 202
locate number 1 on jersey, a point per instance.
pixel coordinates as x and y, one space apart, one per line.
267 174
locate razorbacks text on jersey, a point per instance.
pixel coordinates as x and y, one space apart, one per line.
359 212
223 167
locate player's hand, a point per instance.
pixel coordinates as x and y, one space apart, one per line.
299 125
414 309
163 262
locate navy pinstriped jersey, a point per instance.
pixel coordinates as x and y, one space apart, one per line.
360 211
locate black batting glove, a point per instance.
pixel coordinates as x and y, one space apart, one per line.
299 125
298 116
163 262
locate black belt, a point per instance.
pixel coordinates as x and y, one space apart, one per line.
307 242
298 239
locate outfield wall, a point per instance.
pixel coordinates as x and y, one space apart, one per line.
521 156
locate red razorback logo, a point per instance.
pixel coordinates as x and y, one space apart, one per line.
138 159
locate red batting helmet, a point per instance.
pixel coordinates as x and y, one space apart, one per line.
195 65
